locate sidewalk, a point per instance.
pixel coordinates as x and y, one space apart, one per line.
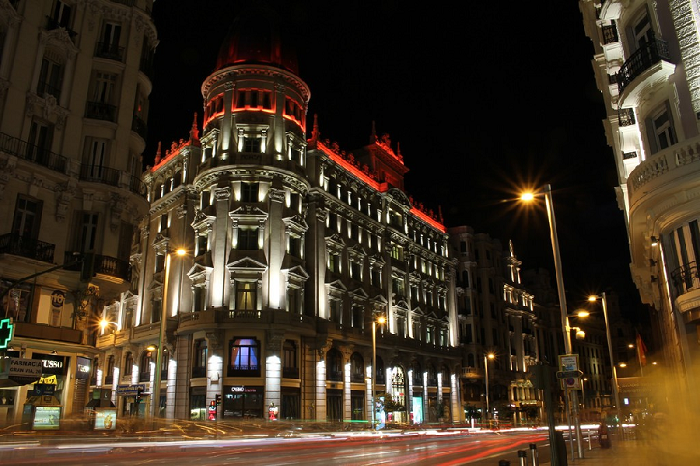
633 453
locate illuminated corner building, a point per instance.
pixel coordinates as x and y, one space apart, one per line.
74 86
294 248
496 314
645 65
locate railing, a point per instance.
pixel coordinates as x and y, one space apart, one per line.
101 111
251 370
626 117
685 278
32 153
675 157
96 174
641 60
112 266
137 186
336 376
45 88
610 34
12 243
110 51
139 127
109 380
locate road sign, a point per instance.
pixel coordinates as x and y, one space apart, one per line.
130 390
569 374
6 329
568 362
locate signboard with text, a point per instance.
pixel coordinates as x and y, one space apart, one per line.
568 365
19 370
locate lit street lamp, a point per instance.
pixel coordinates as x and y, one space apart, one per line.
380 320
547 193
616 391
486 378
155 396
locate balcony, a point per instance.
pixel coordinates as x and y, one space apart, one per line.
109 51
139 127
30 248
97 174
45 88
610 9
112 266
648 66
290 372
686 283
101 111
30 152
137 186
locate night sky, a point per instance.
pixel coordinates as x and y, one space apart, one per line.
484 98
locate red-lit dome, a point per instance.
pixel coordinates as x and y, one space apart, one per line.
255 37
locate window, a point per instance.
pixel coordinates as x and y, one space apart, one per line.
104 88
61 14
27 217
250 191
129 364
642 31
40 139
664 133
397 286
376 277
109 46
244 357
246 294
357 316
335 311
251 144
88 231
50 75
334 262
199 366
357 368
248 239
356 270
290 368
396 252
334 365
96 159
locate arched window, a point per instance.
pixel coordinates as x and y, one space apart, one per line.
357 368
398 386
244 358
334 365
128 363
145 367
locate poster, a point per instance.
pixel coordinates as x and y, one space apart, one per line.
105 418
47 417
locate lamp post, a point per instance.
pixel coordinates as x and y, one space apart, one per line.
379 320
547 192
616 392
487 356
155 396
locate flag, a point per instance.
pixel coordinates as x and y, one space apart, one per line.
641 351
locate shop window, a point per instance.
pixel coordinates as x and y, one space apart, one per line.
199 367
290 368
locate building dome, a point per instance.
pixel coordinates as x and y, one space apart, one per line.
255 37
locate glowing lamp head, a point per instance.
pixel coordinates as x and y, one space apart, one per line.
580 334
527 196
582 313
623 364
103 324
593 298
491 356
381 320
151 347
181 252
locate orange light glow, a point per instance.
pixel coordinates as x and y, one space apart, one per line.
423 216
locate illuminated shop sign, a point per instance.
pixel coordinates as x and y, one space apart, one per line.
51 364
83 368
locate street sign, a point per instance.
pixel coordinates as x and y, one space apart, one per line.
569 374
130 390
6 329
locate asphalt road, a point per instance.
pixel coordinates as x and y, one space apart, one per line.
418 448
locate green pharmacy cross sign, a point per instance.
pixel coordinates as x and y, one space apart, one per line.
6 329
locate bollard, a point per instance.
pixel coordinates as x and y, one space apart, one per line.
504 463
522 457
535 454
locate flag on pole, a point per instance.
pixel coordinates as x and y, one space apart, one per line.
641 351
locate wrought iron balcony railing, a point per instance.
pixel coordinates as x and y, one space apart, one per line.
97 174
101 111
52 23
686 278
12 243
32 153
110 51
647 55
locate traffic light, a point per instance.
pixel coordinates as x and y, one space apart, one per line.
218 400
139 395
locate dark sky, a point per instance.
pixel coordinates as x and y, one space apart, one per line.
484 98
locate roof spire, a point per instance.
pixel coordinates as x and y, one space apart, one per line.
315 133
373 136
158 153
194 131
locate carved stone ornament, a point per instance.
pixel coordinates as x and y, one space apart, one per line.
222 194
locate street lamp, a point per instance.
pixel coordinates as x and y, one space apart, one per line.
547 193
155 401
486 378
380 320
616 391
